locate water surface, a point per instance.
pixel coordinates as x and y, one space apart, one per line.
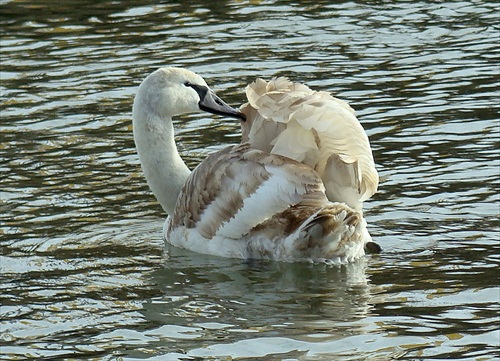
84 271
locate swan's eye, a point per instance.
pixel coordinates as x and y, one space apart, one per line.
188 84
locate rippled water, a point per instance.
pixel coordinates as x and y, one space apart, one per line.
84 273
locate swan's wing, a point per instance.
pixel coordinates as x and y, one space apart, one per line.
235 190
316 129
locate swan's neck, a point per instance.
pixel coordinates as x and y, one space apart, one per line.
163 167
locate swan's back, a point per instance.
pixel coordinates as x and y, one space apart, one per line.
315 129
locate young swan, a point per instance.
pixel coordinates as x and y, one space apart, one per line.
241 201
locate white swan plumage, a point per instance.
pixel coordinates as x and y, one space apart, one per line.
316 129
264 198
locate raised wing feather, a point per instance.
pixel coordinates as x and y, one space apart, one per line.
315 129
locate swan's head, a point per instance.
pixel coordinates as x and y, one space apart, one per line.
168 92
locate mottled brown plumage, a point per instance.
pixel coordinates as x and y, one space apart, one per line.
317 228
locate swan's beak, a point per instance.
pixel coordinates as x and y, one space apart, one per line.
211 103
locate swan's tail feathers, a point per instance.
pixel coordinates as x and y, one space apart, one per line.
336 233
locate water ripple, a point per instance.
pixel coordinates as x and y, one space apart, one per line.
84 273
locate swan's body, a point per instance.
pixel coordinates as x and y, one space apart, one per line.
243 201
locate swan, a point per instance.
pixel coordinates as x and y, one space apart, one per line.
253 200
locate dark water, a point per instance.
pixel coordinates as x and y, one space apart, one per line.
84 275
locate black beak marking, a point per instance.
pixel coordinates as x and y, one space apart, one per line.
211 103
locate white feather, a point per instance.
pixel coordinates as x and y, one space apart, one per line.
314 128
